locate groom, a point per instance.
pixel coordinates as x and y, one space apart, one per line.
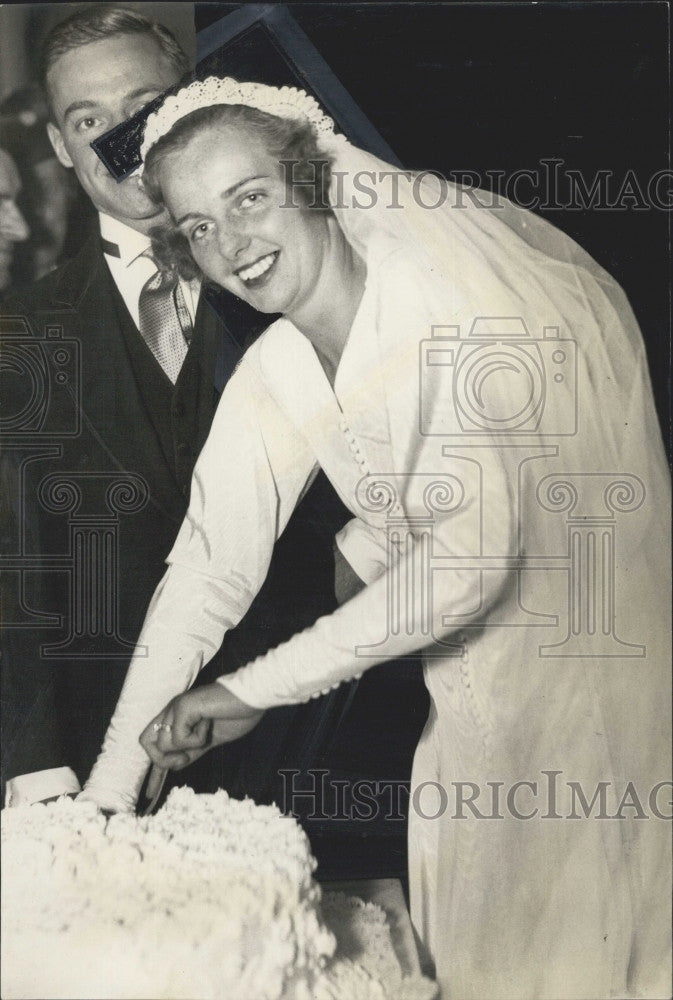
154 358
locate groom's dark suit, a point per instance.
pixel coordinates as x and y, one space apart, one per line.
100 484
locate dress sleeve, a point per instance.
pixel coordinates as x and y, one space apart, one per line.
362 633
364 548
245 486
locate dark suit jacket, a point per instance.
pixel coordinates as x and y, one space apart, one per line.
96 474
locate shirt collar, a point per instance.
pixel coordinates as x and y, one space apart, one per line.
131 243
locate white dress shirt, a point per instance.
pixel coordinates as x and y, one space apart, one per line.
38 786
132 269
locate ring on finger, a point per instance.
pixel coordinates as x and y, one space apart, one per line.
165 726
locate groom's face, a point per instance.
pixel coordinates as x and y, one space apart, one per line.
93 88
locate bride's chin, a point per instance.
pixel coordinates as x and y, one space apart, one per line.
248 299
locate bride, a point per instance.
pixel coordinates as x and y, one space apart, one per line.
476 389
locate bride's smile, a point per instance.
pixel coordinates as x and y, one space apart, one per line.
258 272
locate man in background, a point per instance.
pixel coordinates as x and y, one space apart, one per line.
125 425
13 228
52 203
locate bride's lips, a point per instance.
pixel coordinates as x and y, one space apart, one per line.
257 273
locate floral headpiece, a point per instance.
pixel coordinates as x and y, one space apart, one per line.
284 102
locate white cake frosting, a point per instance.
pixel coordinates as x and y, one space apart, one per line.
364 966
210 898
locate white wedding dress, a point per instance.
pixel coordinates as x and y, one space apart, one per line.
520 535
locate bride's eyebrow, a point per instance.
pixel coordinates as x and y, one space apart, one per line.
225 194
187 217
234 188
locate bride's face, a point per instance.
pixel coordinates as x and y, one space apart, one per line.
228 197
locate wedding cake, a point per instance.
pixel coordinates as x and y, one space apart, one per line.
210 898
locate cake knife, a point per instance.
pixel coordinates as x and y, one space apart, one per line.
156 780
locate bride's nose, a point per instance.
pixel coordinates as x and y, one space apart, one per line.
233 241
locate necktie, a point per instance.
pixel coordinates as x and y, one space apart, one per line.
165 323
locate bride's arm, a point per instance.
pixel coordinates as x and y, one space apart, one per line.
360 634
246 484
363 548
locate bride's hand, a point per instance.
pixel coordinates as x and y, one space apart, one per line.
194 722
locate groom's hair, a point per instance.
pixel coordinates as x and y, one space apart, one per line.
94 24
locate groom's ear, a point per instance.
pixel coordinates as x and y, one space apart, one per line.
56 139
